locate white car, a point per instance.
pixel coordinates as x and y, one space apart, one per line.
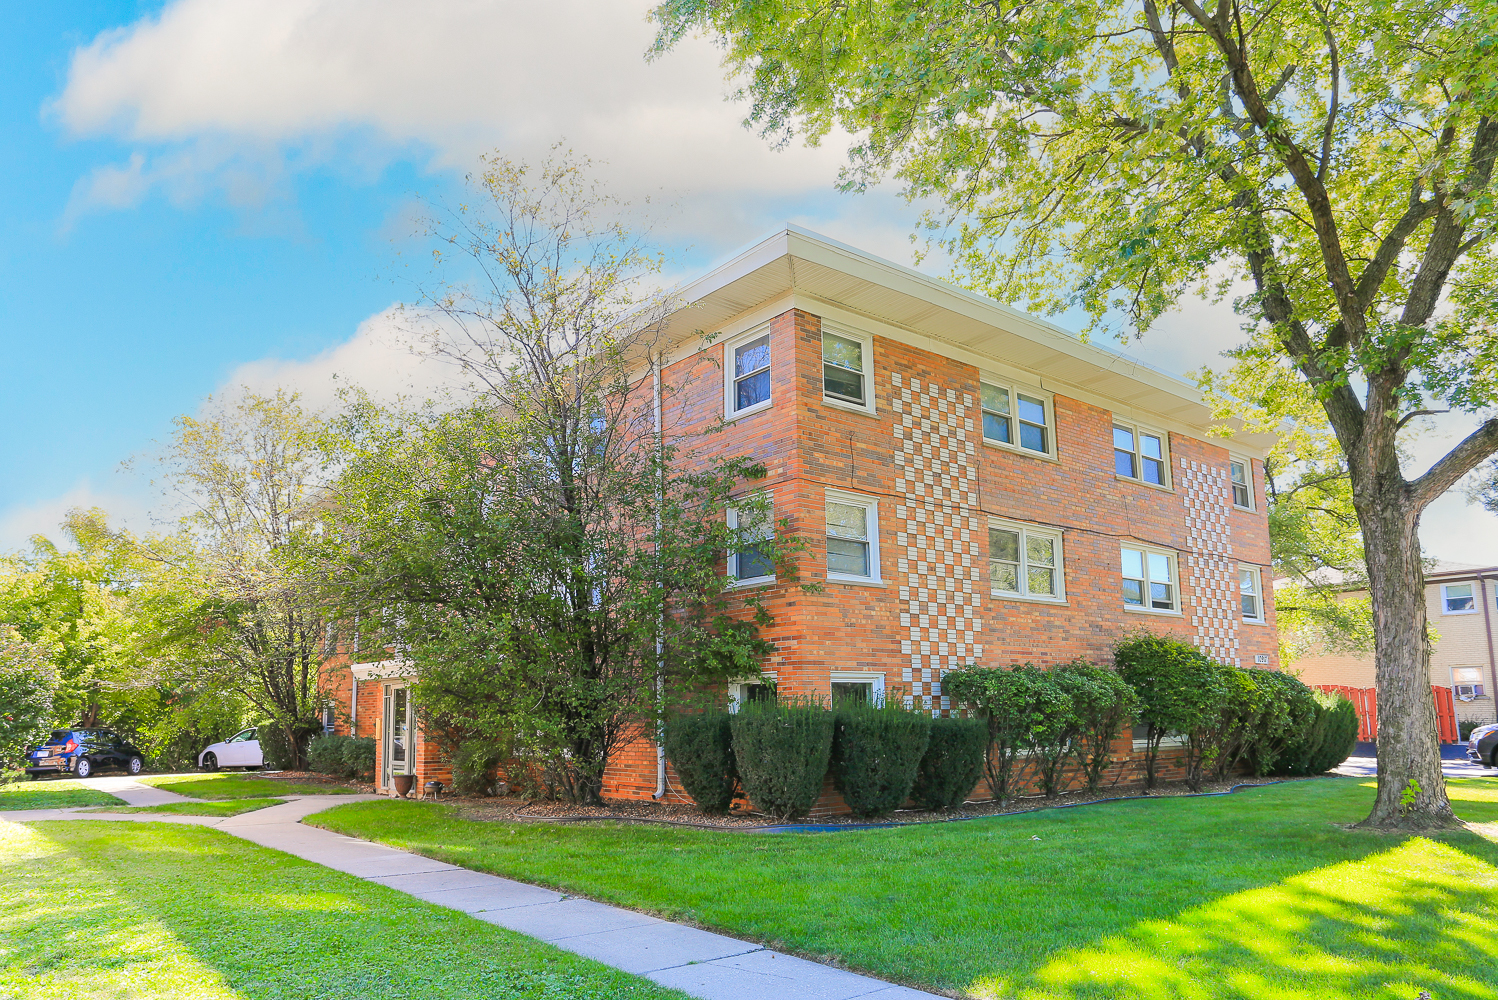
239 750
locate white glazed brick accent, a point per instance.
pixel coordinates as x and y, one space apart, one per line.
937 531
1210 567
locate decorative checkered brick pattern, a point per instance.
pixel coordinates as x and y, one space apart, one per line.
1211 569
936 533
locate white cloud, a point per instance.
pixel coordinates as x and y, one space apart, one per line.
20 522
227 97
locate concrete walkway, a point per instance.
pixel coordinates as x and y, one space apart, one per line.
697 962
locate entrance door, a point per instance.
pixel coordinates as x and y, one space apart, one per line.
397 727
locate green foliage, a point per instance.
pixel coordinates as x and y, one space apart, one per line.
699 746
1326 741
782 750
1287 710
475 765
1101 704
342 756
25 697
283 744
1024 709
876 755
359 757
952 765
1181 692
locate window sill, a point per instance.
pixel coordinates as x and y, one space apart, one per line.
1151 611
842 404
1246 510
1255 621
758 581
748 411
1141 482
855 581
1455 614
1025 599
1010 449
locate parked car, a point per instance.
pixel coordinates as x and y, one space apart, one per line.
81 752
239 750
1482 745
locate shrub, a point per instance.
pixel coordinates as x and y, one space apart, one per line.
359 756
699 746
474 763
325 754
781 750
1181 692
1326 742
1464 728
1101 703
876 753
952 764
1288 709
1013 701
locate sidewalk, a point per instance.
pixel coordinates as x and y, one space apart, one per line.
697 962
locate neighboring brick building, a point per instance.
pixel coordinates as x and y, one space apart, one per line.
978 487
1461 604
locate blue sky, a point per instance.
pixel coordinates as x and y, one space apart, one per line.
201 194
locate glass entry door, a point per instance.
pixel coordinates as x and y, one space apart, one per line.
397 727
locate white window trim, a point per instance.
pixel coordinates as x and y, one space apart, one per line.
733 557
1138 429
1054 534
866 341
875 677
1014 388
1175 572
1248 478
736 688
872 505
729 345
1445 610
1258 592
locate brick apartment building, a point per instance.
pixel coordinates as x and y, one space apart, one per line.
978 487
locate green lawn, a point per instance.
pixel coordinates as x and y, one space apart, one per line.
228 807
235 786
1255 896
100 909
52 794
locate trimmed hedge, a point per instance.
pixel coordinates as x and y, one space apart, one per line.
1327 741
952 764
1102 703
876 754
359 757
342 756
1181 692
781 751
700 748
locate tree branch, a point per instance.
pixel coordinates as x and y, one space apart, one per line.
1457 463
1416 413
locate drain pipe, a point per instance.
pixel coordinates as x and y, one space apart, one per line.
660 628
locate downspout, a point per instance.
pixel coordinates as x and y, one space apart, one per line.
1487 627
353 703
660 629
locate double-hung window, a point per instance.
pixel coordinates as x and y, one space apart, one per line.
1015 417
749 374
1242 484
1457 599
847 361
751 560
1025 561
1149 579
1251 593
852 537
1140 454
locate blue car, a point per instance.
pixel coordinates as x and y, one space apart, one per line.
81 752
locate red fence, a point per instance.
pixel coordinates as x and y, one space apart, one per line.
1365 702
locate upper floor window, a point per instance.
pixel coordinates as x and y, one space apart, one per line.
749 374
1251 593
1140 454
1149 579
1457 598
847 361
1015 417
1243 491
1025 561
852 537
751 561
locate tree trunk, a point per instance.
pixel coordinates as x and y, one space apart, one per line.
1411 789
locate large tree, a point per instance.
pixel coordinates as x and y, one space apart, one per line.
1333 158
546 554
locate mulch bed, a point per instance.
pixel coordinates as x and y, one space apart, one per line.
512 810
313 778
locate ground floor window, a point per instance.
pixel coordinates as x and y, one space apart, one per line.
857 686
